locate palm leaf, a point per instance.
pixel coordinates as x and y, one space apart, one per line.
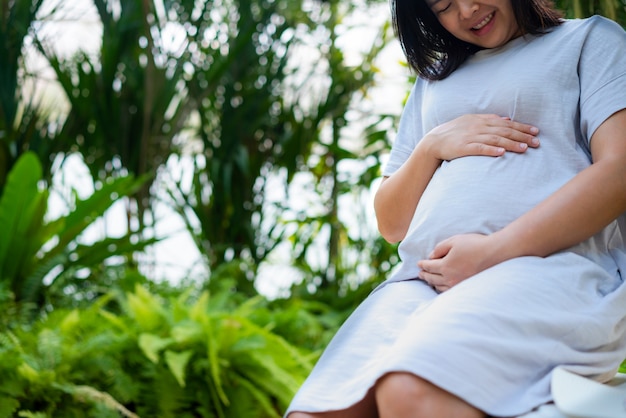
21 211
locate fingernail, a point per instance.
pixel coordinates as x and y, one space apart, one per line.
534 130
534 141
523 146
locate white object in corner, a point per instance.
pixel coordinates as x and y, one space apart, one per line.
579 397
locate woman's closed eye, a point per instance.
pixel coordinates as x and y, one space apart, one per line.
443 10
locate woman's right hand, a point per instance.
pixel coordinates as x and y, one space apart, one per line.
479 134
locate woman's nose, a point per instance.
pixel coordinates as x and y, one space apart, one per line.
467 8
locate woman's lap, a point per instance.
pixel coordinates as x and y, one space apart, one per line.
492 340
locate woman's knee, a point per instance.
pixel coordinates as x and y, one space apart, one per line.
399 388
406 395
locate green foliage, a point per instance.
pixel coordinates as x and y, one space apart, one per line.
229 89
613 9
355 251
245 124
39 258
127 102
265 116
193 355
21 119
220 82
233 95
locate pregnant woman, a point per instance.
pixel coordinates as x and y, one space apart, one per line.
506 186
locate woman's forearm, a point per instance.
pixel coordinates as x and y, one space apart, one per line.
581 208
399 194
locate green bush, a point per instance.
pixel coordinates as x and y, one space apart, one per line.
138 354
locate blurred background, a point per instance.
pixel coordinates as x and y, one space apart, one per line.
185 197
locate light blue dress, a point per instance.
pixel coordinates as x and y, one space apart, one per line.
494 339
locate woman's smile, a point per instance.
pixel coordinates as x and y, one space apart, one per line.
484 23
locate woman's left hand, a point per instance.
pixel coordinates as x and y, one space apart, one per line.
455 259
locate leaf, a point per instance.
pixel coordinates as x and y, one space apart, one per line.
145 309
259 400
187 332
70 322
151 345
93 254
177 362
214 362
199 309
29 414
28 372
114 320
49 347
88 210
8 406
17 206
84 393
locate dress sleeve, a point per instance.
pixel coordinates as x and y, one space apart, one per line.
602 72
410 130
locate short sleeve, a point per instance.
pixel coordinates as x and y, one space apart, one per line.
410 130
602 72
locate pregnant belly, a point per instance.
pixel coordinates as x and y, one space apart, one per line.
477 195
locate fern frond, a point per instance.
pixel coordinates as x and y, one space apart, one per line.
49 349
177 363
252 402
152 345
88 394
29 414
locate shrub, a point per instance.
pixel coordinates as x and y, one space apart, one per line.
139 354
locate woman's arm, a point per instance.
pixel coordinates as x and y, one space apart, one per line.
488 135
574 213
582 207
397 197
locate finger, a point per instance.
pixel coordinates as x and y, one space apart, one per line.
437 286
432 279
523 127
441 249
429 266
495 144
441 289
511 133
477 148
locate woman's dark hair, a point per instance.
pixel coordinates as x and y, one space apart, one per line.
434 53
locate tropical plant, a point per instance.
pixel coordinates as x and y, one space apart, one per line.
254 112
127 103
246 126
352 242
275 101
136 354
39 258
21 118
